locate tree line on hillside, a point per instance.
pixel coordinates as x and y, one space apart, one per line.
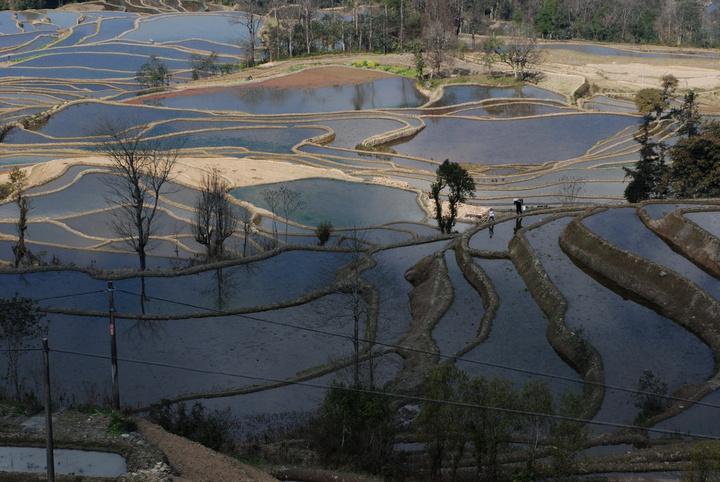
300 27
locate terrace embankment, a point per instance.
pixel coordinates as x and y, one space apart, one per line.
686 237
430 298
481 282
647 283
571 347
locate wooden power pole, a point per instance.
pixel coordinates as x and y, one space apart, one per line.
113 347
50 449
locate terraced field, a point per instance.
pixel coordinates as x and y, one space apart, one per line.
514 299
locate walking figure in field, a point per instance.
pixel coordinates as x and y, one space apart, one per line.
518 206
491 216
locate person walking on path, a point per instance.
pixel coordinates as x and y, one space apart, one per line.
519 206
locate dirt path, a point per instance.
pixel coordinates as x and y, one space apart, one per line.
195 463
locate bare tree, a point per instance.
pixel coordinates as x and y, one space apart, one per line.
356 287
246 219
215 220
252 21
438 33
290 202
272 200
20 325
18 181
141 169
570 188
520 53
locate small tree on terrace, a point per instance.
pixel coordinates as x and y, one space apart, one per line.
204 65
18 180
142 169
651 402
657 101
688 116
459 184
649 178
520 53
246 221
153 73
290 202
215 220
20 324
323 231
571 187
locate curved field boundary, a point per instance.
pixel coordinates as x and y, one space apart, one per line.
574 350
687 237
663 290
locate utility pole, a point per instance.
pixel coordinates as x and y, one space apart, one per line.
113 347
48 415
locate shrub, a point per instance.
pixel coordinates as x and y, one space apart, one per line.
323 232
153 73
355 428
704 463
652 402
120 424
212 429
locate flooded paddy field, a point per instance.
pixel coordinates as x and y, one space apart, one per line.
357 149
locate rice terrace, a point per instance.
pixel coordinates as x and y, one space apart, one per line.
398 240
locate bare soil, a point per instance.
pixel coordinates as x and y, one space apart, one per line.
197 463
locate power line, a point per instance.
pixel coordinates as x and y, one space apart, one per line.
430 353
71 295
415 398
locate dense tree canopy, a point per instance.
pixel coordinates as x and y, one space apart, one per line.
688 169
696 163
297 27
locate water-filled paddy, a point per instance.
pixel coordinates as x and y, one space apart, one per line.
32 460
657 211
624 230
513 109
381 93
630 337
278 279
50 233
459 325
86 194
709 221
499 236
344 204
388 276
493 142
106 60
517 338
247 346
460 94
89 118
222 27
